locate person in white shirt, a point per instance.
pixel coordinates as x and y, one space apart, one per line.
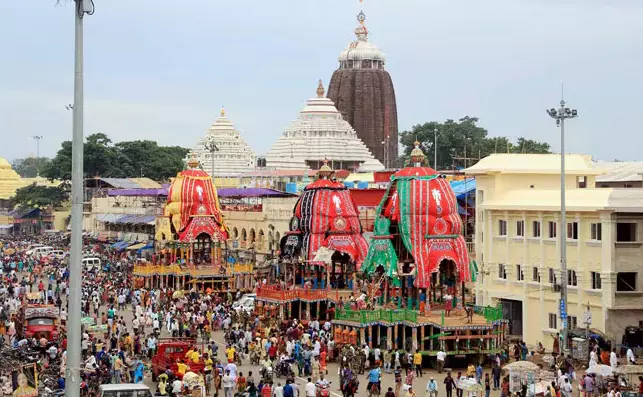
177 387
295 389
310 388
441 356
613 359
630 356
278 391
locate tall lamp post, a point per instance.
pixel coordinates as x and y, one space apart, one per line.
212 147
72 375
435 149
386 154
560 115
37 138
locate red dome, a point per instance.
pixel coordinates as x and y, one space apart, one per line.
326 216
415 171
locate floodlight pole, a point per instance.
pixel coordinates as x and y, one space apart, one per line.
560 115
72 373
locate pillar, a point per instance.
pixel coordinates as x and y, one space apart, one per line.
414 337
362 336
422 338
308 310
395 337
389 338
370 336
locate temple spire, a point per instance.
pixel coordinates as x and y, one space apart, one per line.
320 89
361 32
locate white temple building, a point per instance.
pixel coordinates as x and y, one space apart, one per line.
223 151
321 133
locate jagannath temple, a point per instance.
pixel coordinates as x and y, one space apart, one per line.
362 90
190 235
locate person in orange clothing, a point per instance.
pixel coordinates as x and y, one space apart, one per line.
345 336
353 337
322 362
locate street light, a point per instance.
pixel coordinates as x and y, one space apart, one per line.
560 115
386 155
212 147
37 138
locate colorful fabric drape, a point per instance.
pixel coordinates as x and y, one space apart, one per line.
327 216
192 196
381 252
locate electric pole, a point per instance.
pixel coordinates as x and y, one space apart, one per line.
72 373
560 116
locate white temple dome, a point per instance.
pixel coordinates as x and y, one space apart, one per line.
361 49
320 132
231 155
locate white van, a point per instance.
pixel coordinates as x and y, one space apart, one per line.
58 254
124 390
40 252
91 263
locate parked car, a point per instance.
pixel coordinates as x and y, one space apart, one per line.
247 304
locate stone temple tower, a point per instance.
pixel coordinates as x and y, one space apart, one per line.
363 92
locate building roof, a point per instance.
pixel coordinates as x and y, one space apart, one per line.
549 200
320 132
620 171
123 183
138 192
135 219
280 173
251 192
519 163
626 200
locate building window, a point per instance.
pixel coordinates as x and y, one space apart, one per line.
535 229
626 281
552 321
519 275
502 227
552 229
572 231
552 276
572 322
571 278
534 274
520 228
596 280
581 182
502 271
596 231
626 232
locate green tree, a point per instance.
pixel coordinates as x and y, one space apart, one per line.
30 167
34 196
462 138
122 160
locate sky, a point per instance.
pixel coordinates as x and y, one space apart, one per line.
161 70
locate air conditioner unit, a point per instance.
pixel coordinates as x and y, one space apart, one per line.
555 287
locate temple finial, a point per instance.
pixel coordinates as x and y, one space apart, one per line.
222 111
320 89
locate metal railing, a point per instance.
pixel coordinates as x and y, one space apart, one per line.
371 316
490 313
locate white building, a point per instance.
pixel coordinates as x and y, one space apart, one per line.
320 133
518 245
232 155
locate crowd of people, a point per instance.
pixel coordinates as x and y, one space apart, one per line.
126 324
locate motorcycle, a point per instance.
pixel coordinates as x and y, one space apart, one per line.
266 374
323 390
284 370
